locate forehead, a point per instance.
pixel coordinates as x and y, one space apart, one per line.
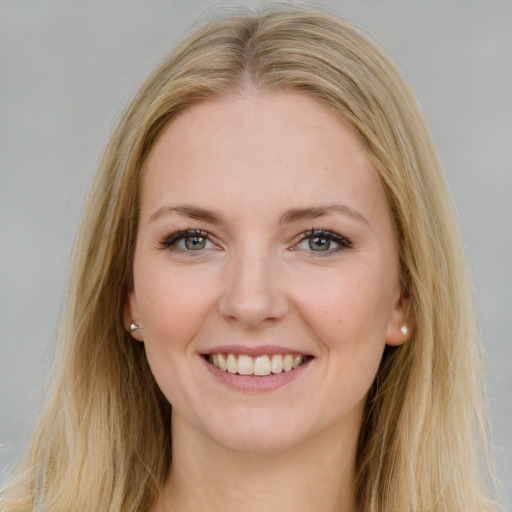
260 147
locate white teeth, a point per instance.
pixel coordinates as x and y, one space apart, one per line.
288 362
262 365
245 366
223 364
232 364
277 363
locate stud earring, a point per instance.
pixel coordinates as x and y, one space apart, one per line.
404 329
133 327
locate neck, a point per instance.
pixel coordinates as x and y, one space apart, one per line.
317 475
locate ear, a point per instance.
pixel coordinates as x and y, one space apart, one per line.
131 316
401 316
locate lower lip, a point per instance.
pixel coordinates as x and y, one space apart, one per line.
256 383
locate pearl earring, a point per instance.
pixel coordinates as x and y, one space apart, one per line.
404 329
133 327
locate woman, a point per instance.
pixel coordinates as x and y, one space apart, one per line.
270 250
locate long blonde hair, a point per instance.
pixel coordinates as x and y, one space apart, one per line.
103 440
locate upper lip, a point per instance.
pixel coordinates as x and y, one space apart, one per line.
254 351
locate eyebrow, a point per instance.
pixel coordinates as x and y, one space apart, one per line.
192 212
298 214
293 215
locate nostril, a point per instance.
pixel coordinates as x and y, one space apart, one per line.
253 292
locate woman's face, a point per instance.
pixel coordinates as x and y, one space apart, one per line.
264 243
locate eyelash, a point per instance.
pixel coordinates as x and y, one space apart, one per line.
343 242
173 239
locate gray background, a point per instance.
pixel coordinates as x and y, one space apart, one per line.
67 69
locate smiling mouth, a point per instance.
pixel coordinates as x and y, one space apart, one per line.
259 366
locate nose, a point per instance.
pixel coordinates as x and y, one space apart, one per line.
253 296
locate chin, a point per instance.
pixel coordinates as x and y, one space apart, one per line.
259 431
257 443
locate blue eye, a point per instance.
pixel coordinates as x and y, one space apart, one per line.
319 240
194 243
319 243
189 240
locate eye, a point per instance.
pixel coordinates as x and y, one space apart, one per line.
322 241
193 243
319 243
190 240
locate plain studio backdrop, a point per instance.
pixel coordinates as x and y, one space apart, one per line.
68 69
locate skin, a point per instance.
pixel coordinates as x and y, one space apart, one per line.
250 158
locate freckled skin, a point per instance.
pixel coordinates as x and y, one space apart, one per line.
251 158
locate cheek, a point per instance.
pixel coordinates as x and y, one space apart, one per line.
172 302
350 308
349 317
173 306
349 320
